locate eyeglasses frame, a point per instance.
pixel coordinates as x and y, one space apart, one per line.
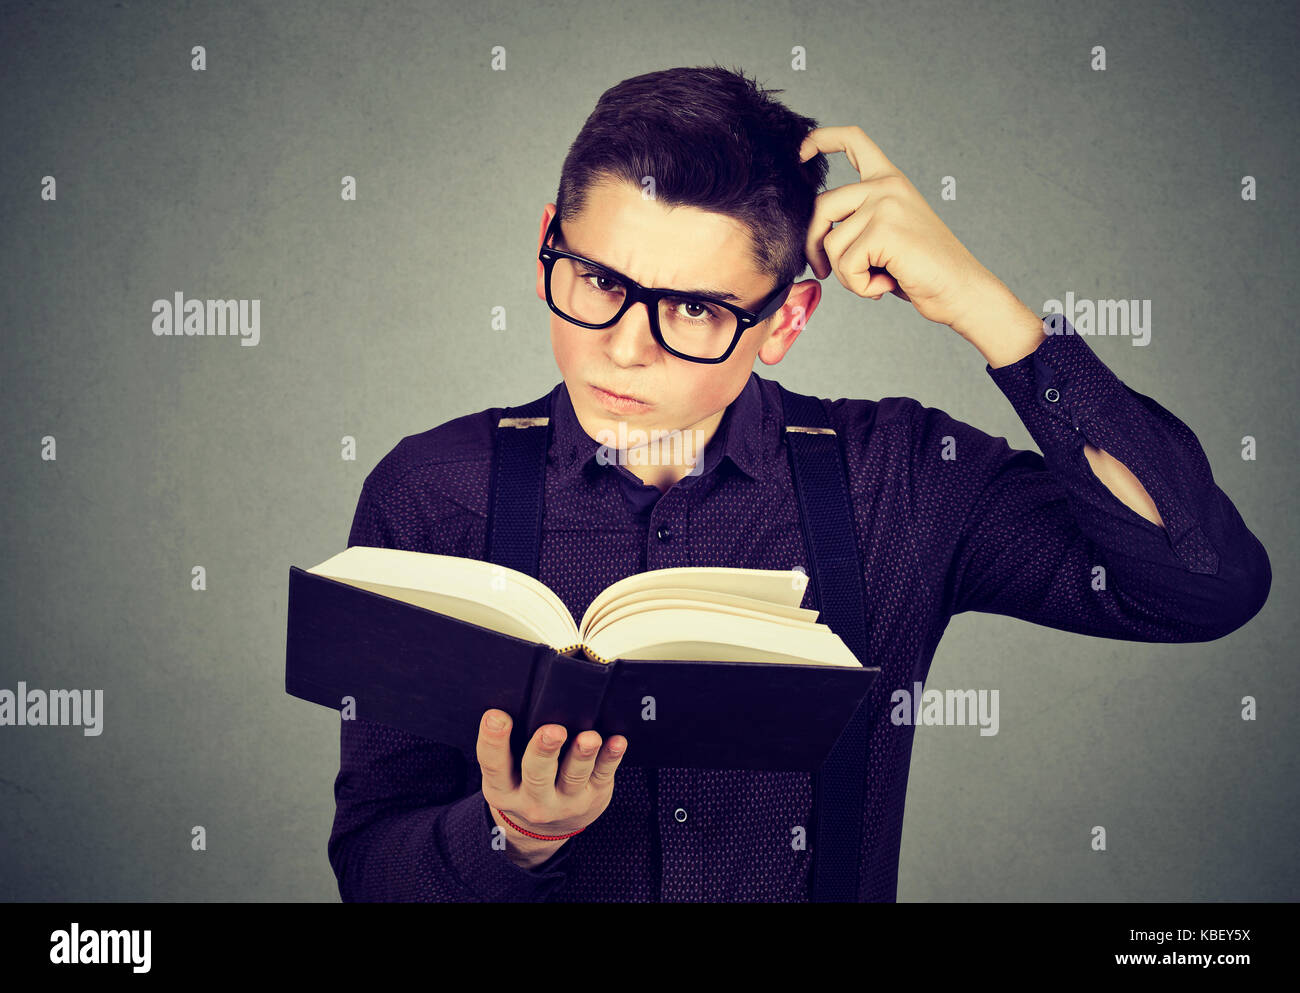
636 293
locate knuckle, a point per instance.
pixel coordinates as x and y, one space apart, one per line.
575 779
529 785
535 780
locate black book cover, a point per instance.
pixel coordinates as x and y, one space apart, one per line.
433 675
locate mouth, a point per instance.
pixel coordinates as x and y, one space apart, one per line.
623 400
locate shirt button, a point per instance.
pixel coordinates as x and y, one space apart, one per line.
1052 394
664 534
679 814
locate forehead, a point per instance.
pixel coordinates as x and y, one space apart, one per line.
670 248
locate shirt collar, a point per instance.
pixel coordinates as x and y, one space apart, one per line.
739 437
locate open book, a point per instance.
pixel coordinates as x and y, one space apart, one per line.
707 613
697 667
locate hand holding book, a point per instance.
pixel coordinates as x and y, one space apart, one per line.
705 667
536 798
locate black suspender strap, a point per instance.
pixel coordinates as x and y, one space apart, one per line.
516 487
515 502
822 486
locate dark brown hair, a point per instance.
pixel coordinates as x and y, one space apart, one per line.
713 140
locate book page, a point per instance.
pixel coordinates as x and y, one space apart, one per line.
777 586
723 603
693 634
472 590
473 611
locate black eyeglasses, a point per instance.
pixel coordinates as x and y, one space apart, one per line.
574 292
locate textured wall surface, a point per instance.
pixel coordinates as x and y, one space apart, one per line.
375 322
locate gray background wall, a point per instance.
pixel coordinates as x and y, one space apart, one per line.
174 452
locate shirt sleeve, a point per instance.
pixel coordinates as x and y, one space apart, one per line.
406 826
1040 537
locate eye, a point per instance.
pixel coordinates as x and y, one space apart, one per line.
596 279
695 310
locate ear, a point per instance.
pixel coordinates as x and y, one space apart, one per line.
547 213
790 320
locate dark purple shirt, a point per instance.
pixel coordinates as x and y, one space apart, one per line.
947 518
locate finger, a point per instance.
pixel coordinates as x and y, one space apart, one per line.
864 153
862 267
840 240
881 282
874 283
493 752
576 770
607 761
829 209
851 207
539 765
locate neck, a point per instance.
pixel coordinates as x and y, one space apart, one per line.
672 455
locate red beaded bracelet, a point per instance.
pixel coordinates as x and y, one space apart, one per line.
539 837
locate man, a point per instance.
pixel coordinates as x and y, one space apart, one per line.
687 207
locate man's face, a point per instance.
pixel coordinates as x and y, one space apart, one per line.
682 248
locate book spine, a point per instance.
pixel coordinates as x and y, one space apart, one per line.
594 657
567 691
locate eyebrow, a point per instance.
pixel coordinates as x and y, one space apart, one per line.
716 294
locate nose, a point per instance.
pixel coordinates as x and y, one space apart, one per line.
631 341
